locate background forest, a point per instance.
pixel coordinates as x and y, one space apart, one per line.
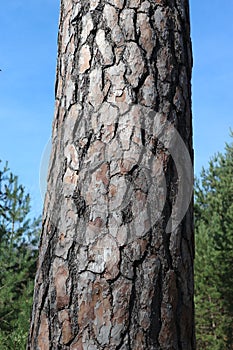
18 253
19 238
214 253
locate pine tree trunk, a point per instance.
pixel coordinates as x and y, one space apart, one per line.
115 269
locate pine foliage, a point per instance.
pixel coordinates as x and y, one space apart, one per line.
18 254
214 253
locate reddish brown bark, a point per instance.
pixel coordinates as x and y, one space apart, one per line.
112 274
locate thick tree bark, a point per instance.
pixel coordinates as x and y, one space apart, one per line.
115 271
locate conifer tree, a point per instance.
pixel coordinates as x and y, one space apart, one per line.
115 270
214 253
18 253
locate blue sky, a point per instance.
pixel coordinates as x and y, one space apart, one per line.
28 50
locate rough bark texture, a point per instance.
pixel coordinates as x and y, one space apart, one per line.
110 276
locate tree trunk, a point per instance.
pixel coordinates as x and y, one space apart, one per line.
115 269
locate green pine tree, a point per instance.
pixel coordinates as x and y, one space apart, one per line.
214 253
18 254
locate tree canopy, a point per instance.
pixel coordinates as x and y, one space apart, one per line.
214 253
18 253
